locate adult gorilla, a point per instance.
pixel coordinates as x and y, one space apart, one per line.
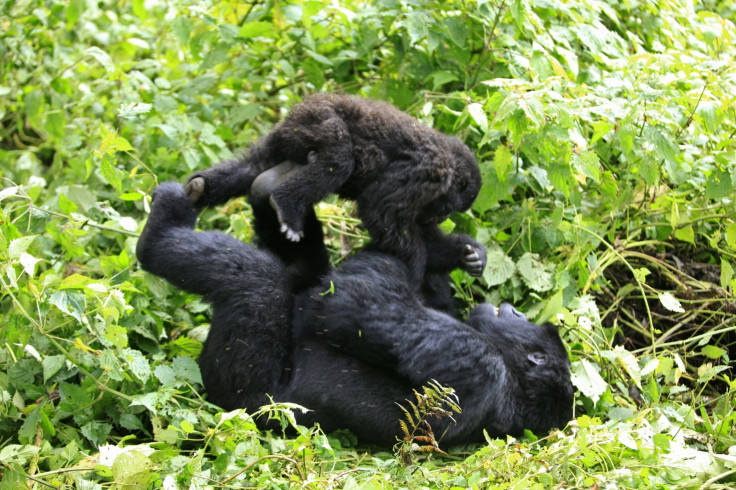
352 353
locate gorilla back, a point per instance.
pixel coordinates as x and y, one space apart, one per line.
404 176
351 354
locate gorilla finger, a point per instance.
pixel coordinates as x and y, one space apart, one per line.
476 271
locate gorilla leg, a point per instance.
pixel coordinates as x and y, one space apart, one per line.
203 263
307 260
437 292
329 164
248 345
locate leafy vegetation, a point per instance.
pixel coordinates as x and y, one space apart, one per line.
605 133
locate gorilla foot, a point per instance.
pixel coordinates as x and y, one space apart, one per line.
293 233
195 189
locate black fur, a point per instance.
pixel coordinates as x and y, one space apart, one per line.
351 354
404 176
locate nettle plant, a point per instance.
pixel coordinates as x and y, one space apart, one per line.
605 133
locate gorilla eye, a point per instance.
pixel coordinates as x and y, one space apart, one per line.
538 358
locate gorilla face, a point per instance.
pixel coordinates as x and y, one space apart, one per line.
465 184
535 357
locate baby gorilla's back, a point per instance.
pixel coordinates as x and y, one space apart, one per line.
404 175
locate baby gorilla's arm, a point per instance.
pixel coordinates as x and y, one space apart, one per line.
448 252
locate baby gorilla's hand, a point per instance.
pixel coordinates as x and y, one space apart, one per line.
474 259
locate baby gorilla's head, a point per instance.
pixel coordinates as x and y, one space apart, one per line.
465 183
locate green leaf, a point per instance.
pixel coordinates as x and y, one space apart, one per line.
187 369
552 307
18 246
66 205
186 426
416 25
600 129
626 138
242 113
709 110
70 303
165 375
587 163
479 116
712 352
439 78
33 107
96 432
72 11
130 196
257 29
457 30
110 174
609 187
55 124
121 144
686 234
137 363
517 12
191 158
585 376
731 235
536 275
182 28
110 364
102 57
670 302
116 335
502 159
16 453
560 177
665 148
219 54
718 185
499 269
726 273
649 171
52 365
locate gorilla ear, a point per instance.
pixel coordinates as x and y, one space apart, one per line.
537 358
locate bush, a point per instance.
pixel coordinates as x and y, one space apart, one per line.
605 133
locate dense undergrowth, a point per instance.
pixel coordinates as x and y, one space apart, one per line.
605 133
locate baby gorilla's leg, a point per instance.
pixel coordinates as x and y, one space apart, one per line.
307 260
329 164
267 181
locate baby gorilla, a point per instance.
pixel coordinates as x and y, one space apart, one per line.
353 346
404 176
